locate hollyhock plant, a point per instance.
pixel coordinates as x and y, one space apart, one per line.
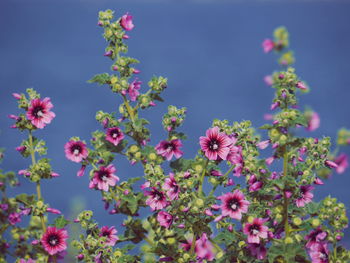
110 234
114 135
215 144
76 151
255 230
39 112
234 204
104 177
168 149
54 240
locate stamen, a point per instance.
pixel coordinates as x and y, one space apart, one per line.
39 113
215 146
76 152
234 206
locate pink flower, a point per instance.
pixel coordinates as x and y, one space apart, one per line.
104 177
126 22
110 234
313 122
39 112
26 261
171 187
165 219
268 80
134 90
169 148
319 253
54 240
301 85
330 164
204 248
263 144
305 195
14 218
257 250
81 171
17 96
215 144
315 237
268 45
255 230
53 211
114 135
76 151
270 160
234 204
156 199
342 162
254 184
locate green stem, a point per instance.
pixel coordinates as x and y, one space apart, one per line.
201 180
218 248
38 187
193 245
335 251
129 109
285 203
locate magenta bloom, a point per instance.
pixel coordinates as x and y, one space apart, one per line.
301 85
81 171
165 219
268 80
234 204
215 144
254 184
114 135
14 218
76 151
126 22
26 261
305 195
54 240
255 230
134 89
156 199
319 253
342 162
110 234
268 45
171 187
104 177
204 248
257 250
168 149
315 237
39 112
313 122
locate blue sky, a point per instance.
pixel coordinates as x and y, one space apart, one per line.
210 51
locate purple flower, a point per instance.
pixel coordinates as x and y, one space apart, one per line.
110 234
255 230
257 250
133 89
315 237
204 248
319 253
126 22
54 240
165 219
168 149
75 151
39 112
215 144
171 187
104 177
234 204
156 199
14 218
114 135
305 195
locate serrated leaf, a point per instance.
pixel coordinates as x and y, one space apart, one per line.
61 222
100 78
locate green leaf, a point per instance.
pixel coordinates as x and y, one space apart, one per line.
61 222
266 127
100 79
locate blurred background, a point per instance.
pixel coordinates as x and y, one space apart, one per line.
211 53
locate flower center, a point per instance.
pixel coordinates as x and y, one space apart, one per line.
76 149
53 240
37 111
103 175
234 204
254 230
214 145
169 148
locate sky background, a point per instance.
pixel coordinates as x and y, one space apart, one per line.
210 51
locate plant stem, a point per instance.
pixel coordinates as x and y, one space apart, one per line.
201 180
285 203
129 109
193 245
38 187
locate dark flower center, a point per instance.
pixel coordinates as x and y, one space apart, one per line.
76 149
158 195
254 229
38 111
53 240
234 204
105 234
214 145
169 147
103 175
114 133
